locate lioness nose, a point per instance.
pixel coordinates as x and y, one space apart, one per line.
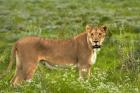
95 41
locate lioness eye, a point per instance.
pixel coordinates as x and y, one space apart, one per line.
100 34
91 34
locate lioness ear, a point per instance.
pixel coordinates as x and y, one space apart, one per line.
88 28
104 28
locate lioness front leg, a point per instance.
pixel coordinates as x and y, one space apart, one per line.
84 69
89 71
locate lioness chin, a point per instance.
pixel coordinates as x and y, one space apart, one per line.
80 50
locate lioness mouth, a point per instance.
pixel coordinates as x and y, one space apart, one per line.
96 46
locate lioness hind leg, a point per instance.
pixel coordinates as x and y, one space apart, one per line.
29 70
26 73
18 78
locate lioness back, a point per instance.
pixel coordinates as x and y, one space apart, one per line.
53 51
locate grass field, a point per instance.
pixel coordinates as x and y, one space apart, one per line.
118 63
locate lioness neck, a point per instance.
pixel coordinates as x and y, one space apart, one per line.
82 43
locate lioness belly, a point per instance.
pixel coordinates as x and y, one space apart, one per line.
61 60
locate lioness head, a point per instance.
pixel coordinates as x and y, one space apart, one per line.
95 36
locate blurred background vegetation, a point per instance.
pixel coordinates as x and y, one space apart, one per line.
118 64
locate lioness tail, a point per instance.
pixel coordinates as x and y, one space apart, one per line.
12 58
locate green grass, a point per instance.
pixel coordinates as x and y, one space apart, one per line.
118 63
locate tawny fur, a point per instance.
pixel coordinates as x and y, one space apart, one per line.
30 50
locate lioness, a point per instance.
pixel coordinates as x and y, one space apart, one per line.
80 50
